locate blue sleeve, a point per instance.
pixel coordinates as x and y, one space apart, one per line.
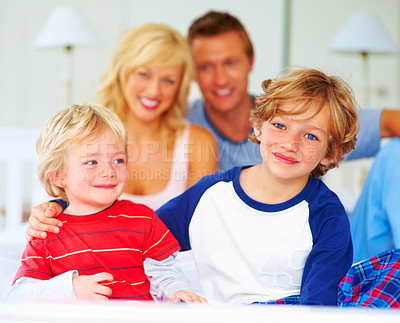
369 135
330 258
177 213
63 203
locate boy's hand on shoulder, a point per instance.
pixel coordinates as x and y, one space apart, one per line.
187 297
91 288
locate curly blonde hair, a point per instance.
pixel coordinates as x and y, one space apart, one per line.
312 89
148 45
75 125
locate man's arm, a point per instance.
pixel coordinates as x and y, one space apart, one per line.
369 135
390 123
374 125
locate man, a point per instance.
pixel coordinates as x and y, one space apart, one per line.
223 58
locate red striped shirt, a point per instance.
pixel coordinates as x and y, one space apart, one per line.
116 240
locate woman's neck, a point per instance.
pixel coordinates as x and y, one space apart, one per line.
140 130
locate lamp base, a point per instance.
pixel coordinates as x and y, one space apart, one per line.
67 82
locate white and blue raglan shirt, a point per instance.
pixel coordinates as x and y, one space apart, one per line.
246 251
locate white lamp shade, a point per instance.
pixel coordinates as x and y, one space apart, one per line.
66 26
363 33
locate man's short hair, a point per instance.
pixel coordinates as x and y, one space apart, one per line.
214 23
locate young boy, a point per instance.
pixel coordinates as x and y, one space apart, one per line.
109 248
274 230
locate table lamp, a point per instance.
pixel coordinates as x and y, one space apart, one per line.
66 28
364 33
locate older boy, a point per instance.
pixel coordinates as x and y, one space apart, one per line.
274 230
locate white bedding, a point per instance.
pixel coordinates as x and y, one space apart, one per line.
122 312
12 244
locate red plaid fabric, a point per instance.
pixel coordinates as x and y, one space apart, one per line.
374 282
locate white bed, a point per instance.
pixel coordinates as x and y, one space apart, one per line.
180 313
19 191
12 244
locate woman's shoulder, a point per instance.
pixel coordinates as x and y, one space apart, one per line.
203 156
199 132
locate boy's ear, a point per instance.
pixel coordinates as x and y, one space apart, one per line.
328 159
57 179
257 132
325 161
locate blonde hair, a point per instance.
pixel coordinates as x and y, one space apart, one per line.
312 89
148 45
75 125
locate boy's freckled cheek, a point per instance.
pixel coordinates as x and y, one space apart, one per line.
311 155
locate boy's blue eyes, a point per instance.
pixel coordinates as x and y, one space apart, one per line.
308 136
117 161
279 126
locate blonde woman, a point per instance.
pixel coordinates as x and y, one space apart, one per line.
147 85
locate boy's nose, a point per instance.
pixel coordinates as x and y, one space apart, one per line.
107 171
291 144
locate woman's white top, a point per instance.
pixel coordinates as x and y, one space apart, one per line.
178 177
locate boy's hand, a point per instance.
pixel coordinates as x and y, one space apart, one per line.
42 219
187 297
90 287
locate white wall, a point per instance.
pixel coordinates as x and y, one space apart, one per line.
30 79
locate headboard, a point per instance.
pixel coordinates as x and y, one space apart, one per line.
19 186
